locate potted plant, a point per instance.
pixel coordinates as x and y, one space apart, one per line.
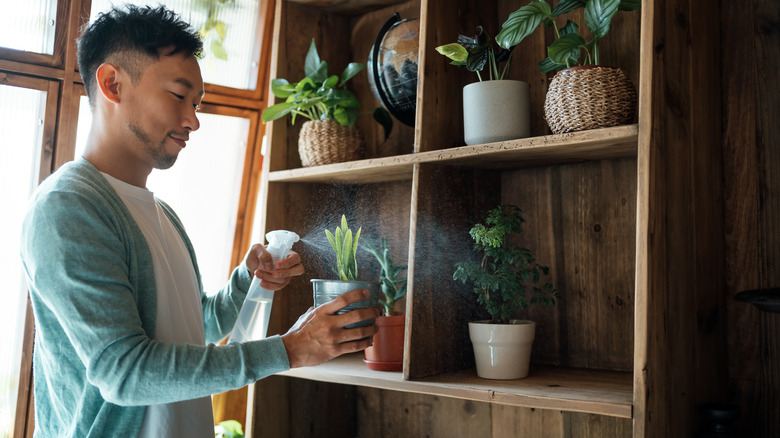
325 290
329 136
584 94
505 280
387 351
494 108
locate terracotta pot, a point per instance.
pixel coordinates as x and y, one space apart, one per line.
387 353
502 351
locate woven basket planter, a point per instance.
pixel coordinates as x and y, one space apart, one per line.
589 97
327 141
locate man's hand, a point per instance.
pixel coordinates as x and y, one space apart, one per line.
260 264
319 334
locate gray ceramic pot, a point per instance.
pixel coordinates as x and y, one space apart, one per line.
329 290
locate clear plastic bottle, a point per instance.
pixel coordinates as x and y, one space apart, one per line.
252 322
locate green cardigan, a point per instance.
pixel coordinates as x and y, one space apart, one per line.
96 364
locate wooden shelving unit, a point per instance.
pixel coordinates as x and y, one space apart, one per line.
599 144
579 390
624 217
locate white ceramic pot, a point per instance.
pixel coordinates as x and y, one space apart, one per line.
502 351
496 111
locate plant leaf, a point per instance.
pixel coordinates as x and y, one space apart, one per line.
277 111
330 82
312 61
566 49
522 23
454 51
221 29
570 27
565 6
218 50
383 118
352 69
282 88
598 15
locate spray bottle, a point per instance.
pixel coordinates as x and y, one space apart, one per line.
252 322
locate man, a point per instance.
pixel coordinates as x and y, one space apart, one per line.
122 323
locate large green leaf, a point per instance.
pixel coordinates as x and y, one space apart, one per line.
522 23
277 111
454 51
281 88
312 61
352 69
598 15
330 83
218 51
565 6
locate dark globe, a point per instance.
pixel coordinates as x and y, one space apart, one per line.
392 72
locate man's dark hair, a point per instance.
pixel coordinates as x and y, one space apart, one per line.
126 36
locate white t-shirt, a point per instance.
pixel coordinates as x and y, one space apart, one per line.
179 311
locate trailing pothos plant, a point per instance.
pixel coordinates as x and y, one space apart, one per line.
568 46
506 278
345 246
321 95
390 276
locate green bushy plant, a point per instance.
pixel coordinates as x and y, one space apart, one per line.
321 95
506 278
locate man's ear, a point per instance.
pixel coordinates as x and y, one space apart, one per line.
109 82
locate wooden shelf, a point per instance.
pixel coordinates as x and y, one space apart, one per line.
570 389
597 144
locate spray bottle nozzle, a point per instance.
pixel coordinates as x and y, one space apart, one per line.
280 242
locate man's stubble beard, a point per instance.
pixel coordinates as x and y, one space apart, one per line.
162 160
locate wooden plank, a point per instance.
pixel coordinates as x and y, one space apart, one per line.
580 221
388 414
598 144
569 389
681 247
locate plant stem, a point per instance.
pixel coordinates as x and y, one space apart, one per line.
595 51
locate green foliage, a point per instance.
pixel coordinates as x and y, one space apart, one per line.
393 282
214 25
506 278
568 46
346 249
229 429
473 53
321 95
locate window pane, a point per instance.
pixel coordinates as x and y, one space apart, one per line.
29 25
229 29
21 122
203 187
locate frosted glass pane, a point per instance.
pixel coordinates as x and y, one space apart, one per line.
203 187
29 26
21 122
229 29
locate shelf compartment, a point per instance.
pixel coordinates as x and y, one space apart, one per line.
596 144
568 389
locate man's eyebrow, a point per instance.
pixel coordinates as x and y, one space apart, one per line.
188 84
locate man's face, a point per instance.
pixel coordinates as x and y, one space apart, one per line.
160 108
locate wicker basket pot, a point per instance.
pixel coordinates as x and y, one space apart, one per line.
589 97
327 141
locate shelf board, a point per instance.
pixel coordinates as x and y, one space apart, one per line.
568 389
595 144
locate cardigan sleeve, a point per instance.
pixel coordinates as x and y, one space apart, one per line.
79 266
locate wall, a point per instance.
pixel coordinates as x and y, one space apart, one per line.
750 36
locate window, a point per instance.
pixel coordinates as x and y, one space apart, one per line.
229 28
25 114
30 27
